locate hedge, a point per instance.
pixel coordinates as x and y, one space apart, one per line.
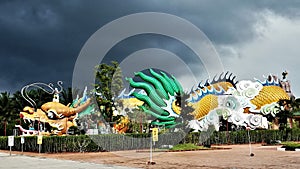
241 137
117 142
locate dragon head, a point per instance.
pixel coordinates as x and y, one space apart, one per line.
53 115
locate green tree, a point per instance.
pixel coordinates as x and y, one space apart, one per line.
185 114
138 120
108 85
66 96
40 97
18 101
8 114
283 116
295 106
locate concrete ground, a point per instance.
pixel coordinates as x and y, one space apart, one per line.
28 162
231 156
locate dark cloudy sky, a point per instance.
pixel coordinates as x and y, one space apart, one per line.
41 40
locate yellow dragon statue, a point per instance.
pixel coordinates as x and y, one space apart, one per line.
54 114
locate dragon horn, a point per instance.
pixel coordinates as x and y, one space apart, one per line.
80 108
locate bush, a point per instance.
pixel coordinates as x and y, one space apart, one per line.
290 146
188 146
116 142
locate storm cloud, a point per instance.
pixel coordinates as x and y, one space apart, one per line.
41 40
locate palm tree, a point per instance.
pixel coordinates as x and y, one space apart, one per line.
295 106
7 112
108 85
67 96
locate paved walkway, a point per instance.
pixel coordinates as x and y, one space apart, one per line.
20 162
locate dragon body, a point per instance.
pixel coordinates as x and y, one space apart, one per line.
243 103
160 95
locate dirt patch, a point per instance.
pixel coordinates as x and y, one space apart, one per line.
231 156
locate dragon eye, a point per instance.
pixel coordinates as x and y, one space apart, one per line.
231 103
228 104
178 101
51 114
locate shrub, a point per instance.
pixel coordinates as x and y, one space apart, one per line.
290 146
188 146
116 142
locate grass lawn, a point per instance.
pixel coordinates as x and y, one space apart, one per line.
187 147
